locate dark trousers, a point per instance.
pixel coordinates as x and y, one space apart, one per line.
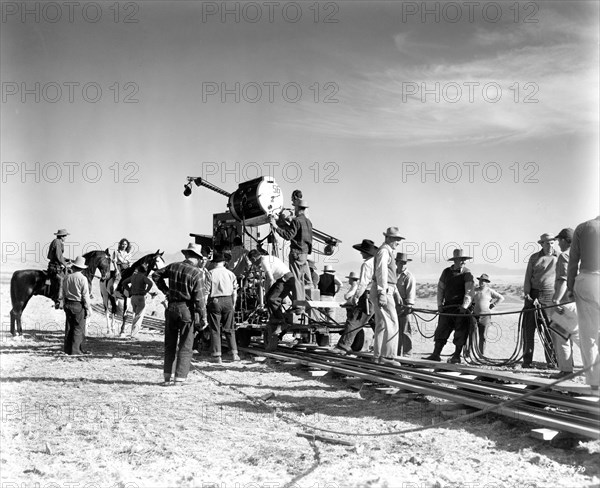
221 320
532 321
74 327
405 333
277 293
447 324
57 275
179 331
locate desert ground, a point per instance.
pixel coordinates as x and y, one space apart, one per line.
104 420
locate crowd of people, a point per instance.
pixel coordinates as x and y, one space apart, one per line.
203 294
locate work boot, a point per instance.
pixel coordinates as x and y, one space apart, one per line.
454 359
437 350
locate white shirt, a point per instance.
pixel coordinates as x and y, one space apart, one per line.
273 266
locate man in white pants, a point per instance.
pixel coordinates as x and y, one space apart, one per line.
385 346
583 282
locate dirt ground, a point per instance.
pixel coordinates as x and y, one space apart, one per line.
104 420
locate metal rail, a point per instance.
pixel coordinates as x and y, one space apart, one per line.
580 416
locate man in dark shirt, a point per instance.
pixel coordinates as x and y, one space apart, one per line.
299 233
185 295
454 292
57 267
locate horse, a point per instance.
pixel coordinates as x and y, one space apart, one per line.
112 288
26 283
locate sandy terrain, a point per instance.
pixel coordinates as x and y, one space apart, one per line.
105 419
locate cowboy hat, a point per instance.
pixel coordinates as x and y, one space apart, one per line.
458 254
79 263
193 249
352 276
61 232
566 233
401 256
393 232
328 269
484 277
547 237
367 246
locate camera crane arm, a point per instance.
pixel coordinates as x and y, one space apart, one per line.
187 191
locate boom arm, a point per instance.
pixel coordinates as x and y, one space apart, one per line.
200 182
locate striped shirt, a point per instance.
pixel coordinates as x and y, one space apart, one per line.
185 283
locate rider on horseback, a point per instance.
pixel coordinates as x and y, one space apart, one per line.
57 267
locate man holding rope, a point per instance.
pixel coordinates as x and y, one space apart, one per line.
454 292
539 289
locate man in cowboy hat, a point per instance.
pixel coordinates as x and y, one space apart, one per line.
583 284
57 267
222 288
405 301
484 299
76 294
329 285
538 289
454 292
363 308
383 289
352 286
299 233
186 306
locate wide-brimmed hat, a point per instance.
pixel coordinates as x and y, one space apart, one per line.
566 233
458 254
393 232
219 257
61 232
79 263
193 249
328 269
367 246
546 238
352 276
401 256
301 203
484 277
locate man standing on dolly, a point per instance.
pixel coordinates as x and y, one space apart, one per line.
185 295
584 285
454 292
539 289
407 293
383 289
299 233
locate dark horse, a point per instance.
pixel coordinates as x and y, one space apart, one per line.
26 283
111 293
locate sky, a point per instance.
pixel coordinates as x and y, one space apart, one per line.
462 125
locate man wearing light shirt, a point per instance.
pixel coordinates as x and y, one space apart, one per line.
75 291
222 288
363 308
583 284
383 289
538 288
280 283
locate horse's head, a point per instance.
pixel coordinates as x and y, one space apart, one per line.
98 260
156 261
106 264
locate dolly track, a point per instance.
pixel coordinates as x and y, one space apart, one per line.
545 405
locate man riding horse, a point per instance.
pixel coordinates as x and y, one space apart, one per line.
57 267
